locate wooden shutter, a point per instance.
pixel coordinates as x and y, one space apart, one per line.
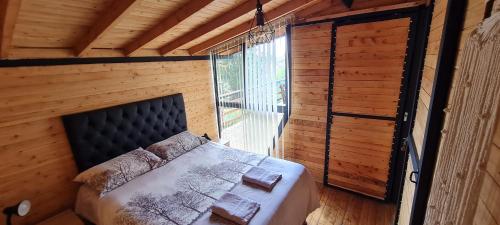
368 72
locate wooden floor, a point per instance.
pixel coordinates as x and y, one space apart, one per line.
344 208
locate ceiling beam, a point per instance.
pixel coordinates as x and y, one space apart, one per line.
312 9
337 6
166 24
366 10
199 31
281 10
9 9
110 17
347 3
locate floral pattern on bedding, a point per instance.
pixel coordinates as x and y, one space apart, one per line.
196 190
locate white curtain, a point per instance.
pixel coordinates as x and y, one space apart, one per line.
253 99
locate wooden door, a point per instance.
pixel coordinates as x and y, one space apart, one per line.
368 68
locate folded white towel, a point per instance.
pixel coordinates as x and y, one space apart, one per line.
262 177
235 208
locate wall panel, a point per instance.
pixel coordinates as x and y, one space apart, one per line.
37 163
310 70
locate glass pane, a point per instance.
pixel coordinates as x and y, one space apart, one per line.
281 69
252 94
229 65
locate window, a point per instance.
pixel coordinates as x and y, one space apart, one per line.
252 92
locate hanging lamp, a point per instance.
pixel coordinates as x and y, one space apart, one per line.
262 33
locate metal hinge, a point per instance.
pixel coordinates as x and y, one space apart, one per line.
405 118
404 147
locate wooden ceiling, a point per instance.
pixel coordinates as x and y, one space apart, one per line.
94 28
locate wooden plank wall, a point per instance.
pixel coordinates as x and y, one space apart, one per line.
423 103
408 191
428 72
310 70
407 198
37 163
361 148
474 14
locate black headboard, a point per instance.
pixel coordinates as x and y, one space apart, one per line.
103 134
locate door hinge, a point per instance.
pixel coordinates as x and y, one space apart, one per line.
404 147
405 118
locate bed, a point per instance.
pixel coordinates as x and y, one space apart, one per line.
182 190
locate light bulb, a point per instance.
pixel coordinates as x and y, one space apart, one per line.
24 208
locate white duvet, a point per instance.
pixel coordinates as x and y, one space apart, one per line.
181 192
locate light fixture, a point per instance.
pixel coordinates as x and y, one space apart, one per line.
21 209
262 33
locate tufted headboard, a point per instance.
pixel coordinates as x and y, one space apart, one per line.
100 135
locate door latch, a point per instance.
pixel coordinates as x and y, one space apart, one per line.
413 178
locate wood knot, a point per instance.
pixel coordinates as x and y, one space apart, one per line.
485 115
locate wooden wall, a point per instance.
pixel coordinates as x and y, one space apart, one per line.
310 70
474 14
407 198
423 103
428 72
36 160
488 207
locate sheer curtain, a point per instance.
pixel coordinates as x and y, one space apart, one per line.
252 91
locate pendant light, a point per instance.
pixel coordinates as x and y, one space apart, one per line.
262 33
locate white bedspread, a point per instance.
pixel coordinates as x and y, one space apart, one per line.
182 191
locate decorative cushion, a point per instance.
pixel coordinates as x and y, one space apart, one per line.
113 173
176 145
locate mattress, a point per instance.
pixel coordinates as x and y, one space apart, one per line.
182 191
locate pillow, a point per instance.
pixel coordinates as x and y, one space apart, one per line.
113 173
176 145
